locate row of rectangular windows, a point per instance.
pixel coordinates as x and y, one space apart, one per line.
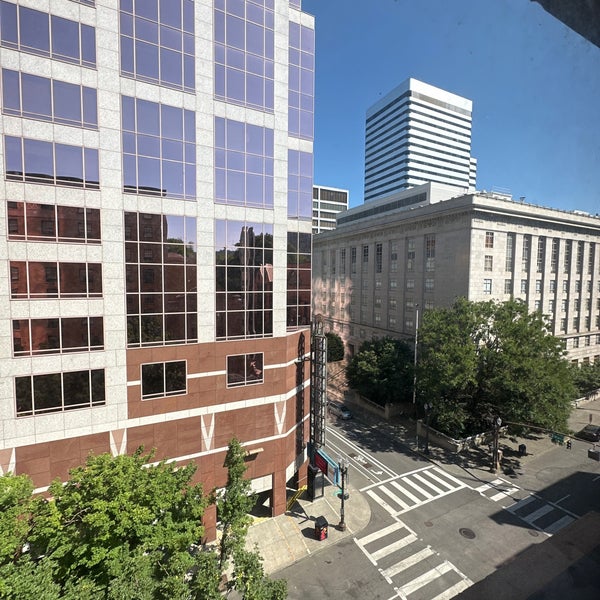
33 337
56 392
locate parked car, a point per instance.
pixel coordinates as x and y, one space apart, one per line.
339 410
590 432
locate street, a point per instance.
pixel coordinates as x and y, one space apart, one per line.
437 528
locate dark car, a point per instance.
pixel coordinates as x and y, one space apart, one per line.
590 432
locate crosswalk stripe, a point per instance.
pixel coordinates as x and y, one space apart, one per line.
426 482
418 488
554 527
406 492
458 587
536 514
383 532
407 562
503 494
450 477
487 486
405 541
521 504
393 496
441 481
429 576
382 503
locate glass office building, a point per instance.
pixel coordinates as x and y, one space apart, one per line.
155 234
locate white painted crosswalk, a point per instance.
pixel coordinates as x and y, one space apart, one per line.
411 566
542 515
532 509
499 490
410 490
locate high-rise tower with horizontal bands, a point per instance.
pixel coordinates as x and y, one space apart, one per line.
155 235
416 134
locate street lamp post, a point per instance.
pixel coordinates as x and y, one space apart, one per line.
343 466
495 448
414 398
427 406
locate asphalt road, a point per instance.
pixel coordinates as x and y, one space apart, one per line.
435 529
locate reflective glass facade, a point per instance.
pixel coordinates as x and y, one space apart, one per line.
45 99
157 42
38 161
300 180
244 279
160 260
159 149
243 164
301 81
298 279
244 51
39 33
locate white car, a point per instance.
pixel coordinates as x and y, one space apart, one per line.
339 410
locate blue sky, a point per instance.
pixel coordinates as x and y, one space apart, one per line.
534 83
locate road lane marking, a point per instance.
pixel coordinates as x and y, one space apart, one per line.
462 585
537 514
554 527
418 488
413 559
397 545
383 532
393 496
428 483
428 577
406 492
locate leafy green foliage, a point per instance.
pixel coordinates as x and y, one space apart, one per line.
250 580
122 528
382 370
234 503
478 360
335 347
586 378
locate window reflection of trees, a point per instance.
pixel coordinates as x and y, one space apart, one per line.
244 279
244 369
161 275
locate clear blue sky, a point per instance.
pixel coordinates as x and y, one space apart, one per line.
534 83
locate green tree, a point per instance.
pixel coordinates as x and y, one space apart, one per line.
234 503
382 370
335 347
478 360
250 579
122 528
586 378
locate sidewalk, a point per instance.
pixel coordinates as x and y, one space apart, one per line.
287 538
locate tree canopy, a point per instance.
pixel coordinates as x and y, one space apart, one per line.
335 347
382 370
124 528
586 378
478 360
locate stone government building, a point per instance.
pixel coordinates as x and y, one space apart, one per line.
423 247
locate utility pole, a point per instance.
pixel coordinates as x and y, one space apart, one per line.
343 466
495 448
414 398
428 407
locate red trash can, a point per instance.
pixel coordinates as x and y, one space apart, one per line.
321 528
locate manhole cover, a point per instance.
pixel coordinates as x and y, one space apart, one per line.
467 533
428 524
533 533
